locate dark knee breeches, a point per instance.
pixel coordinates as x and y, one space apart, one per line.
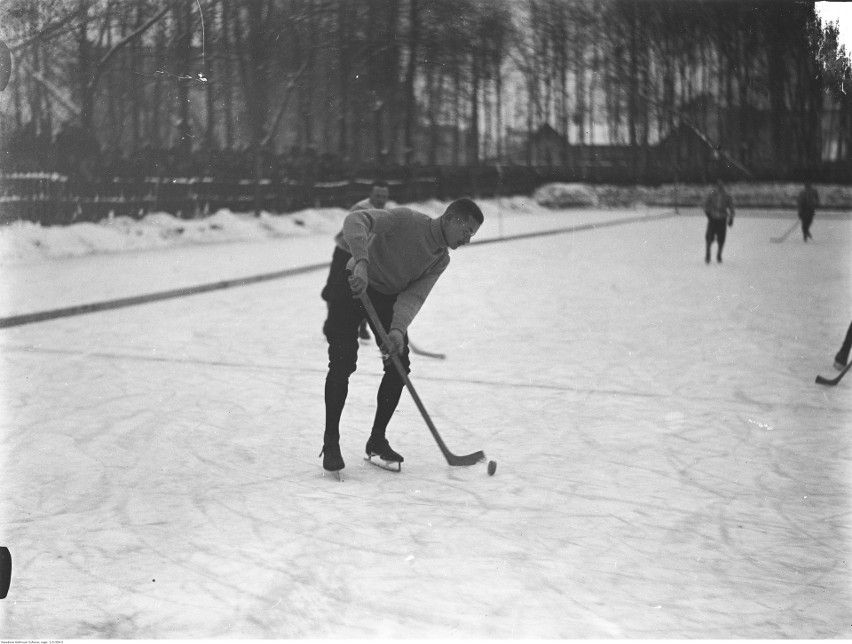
716 229
345 314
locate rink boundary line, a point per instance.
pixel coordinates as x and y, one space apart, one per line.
230 364
108 305
578 228
594 391
763 212
102 355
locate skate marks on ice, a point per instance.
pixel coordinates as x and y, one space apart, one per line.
638 494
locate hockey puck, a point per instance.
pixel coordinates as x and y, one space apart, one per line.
5 571
492 467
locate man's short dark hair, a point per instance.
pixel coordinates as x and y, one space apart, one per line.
465 207
379 183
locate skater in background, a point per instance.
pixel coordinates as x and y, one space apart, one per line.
719 208
397 255
379 194
842 357
807 202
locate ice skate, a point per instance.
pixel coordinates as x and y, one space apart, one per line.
388 458
332 460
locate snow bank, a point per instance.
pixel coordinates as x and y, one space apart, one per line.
23 241
565 195
745 195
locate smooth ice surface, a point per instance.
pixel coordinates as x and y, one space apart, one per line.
667 467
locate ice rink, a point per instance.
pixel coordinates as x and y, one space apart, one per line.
667 467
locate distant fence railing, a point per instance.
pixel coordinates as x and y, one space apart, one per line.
55 199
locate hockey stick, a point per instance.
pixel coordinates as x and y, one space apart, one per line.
428 354
452 459
833 381
778 240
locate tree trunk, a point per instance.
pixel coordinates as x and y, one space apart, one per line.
473 134
345 51
136 103
183 21
411 71
633 92
257 94
227 69
210 85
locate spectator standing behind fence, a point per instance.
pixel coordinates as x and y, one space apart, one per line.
719 208
808 202
378 199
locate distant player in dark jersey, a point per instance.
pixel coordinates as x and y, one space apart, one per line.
397 256
719 208
378 198
807 202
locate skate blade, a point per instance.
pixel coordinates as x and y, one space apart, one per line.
334 474
385 465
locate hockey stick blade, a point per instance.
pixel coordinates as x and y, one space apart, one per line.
452 459
833 381
778 240
427 354
466 460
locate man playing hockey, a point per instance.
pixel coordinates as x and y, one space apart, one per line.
397 257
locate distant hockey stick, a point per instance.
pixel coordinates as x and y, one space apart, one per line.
452 459
428 354
833 381
778 240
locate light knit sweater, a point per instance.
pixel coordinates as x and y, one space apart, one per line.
406 254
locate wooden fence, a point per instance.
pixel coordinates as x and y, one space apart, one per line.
55 199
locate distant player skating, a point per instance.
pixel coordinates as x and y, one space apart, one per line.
719 208
397 256
807 203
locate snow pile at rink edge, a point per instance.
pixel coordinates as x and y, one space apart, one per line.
24 242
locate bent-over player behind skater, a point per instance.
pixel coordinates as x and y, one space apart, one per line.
379 194
719 208
397 256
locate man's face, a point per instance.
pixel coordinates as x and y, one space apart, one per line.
459 230
378 197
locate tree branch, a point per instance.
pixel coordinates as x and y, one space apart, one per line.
283 107
101 65
48 31
55 91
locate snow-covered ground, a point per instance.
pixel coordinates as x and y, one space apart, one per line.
667 467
